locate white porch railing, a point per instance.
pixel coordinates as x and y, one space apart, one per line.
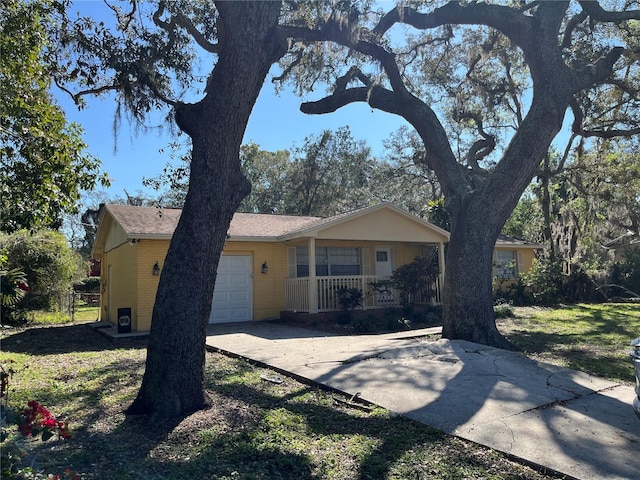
297 293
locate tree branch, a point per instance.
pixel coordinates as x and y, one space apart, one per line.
611 133
598 71
299 56
480 148
439 156
200 39
578 116
509 21
597 13
572 24
128 16
91 91
182 21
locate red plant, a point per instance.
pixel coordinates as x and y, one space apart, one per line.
37 419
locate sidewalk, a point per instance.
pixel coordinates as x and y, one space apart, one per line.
562 419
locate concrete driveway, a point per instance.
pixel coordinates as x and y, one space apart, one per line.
562 419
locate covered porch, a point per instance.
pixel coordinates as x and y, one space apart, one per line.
355 250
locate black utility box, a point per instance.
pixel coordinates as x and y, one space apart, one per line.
124 320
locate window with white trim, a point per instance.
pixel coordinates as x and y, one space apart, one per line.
504 265
330 261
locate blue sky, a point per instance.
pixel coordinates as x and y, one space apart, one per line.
276 123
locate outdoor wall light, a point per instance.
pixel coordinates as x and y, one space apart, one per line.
156 269
265 268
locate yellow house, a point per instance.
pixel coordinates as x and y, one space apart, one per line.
512 257
270 263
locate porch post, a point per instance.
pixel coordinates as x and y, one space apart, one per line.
441 263
313 288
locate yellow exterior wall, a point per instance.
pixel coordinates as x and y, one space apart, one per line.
398 228
405 253
268 289
122 264
148 253
526 254
136 287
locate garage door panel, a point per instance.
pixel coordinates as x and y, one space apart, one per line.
233 294
238 297
220 297
234 280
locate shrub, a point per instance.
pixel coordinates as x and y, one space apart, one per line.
626 274
13 289
544 281
49 264
516 292
414 280
503 311
389 322
349 299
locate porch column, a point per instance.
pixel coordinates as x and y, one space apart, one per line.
441 263
313 288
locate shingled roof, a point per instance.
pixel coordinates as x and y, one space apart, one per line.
160 223
506 241
155 222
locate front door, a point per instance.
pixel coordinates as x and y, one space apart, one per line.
384 268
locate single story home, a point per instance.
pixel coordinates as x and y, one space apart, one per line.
274 263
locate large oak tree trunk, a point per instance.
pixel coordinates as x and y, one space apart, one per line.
467 293
477 217
173 382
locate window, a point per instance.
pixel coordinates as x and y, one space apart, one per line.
330 261
382 256
504 266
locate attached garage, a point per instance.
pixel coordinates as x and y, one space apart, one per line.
233 294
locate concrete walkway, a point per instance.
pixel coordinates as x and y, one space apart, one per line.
562 419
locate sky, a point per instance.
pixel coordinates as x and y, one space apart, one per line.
276 123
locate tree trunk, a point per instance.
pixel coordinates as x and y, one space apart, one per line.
467 295
173 382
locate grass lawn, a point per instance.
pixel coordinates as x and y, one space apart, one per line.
81 313
593 338
261 430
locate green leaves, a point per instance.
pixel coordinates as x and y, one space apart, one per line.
43 164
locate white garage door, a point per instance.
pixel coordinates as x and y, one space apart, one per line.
232 297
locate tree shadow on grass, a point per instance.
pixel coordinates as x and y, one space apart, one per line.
65 339
260 430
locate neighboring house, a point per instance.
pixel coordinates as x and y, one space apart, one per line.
270 263
512 257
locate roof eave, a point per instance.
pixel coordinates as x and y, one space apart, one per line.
242 238
97 251
149 236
